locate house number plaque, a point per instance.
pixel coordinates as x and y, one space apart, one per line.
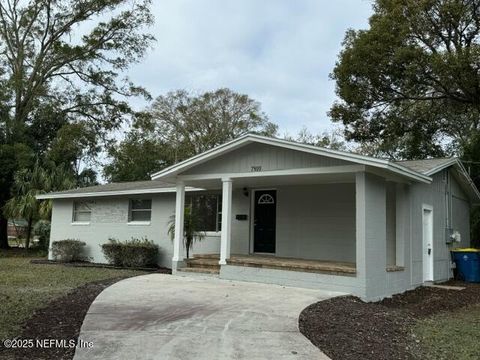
256 168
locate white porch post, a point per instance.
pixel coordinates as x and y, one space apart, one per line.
179 218
226 221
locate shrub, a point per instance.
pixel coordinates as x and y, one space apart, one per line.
131 253
68 250
42 230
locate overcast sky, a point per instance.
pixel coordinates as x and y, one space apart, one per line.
279 52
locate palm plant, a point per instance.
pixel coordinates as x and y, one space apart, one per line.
27 184
191 229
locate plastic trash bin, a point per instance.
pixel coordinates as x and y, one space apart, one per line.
467 261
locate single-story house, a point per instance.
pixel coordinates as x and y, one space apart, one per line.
281 212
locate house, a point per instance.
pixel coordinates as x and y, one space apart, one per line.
281 212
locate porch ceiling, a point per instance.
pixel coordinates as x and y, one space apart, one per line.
284 180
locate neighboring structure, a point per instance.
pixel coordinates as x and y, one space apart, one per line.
16 228
326 219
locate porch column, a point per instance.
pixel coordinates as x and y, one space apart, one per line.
226 221
371 234
179 222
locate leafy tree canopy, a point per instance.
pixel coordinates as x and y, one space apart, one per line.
410 84
62 91
180 125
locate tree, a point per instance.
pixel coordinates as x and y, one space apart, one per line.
193 124
27 184
50 66
136 157
327 139
75 145
410 84
180 125
191 229
471 158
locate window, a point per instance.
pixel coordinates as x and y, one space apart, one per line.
208 208
140 210
82 211
266 199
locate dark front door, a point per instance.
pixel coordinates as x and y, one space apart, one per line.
264 221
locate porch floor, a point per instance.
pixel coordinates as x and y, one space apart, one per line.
289 264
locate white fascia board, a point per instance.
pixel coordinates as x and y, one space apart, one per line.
469 182
342 169
436 169
359 159
111 193
462 171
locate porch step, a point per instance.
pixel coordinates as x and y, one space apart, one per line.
200 270
202 264
205 256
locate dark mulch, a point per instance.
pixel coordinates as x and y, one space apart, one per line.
99 265
60 319
347 328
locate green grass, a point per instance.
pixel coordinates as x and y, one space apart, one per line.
25 287
453 335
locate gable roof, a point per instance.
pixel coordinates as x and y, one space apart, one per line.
119 188
253 138
432 166
417 170
428 166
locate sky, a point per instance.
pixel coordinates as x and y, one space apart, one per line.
279 52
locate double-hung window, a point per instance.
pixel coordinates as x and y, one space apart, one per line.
140 210
207 208
82 212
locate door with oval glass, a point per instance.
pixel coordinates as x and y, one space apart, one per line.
264 221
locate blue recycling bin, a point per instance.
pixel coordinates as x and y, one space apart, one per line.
467 261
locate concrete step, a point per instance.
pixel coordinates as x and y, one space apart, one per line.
199 270
203 263
206 256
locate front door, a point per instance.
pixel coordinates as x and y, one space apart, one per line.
264 221
427 222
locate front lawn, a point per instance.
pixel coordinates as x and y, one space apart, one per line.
25 287
451 335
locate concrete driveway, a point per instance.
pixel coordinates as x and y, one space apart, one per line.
172 317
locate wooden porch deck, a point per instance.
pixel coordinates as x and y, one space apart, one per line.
289 264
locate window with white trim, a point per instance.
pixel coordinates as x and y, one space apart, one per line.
140 210
82 211
208 210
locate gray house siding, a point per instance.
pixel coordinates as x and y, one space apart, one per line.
110 219
460 213
316 222
391 223
435 195
267 156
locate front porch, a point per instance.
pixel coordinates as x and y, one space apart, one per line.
296 216
210 263
336 231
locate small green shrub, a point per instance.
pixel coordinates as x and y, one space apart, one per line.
68 250
42 230
131 253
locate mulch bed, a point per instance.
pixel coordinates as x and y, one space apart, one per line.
347 328
98 265
60 319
